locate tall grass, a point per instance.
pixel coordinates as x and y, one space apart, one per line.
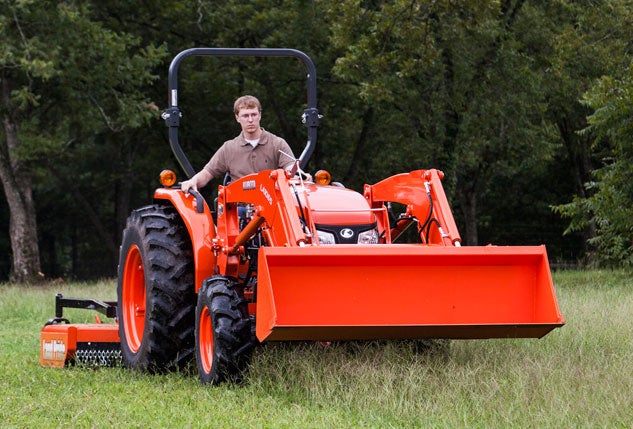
578 376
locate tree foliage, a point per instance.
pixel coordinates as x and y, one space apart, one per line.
608 206
462 89
68 82
491 92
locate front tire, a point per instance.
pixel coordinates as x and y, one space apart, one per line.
156 298
223 332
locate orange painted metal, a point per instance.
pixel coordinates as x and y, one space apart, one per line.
206 340
133 304
249 230
417 189
347 292
58 343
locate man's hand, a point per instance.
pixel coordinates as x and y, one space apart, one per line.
200 179
188 184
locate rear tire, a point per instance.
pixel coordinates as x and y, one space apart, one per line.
156 298
223 332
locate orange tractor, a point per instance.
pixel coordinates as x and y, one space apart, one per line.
279 258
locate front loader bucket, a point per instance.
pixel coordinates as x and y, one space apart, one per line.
356 292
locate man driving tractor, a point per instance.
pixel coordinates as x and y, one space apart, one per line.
254 150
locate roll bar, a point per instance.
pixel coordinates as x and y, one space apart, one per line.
172 114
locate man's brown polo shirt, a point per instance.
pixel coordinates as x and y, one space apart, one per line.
239 158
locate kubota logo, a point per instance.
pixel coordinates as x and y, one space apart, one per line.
266 194
346 233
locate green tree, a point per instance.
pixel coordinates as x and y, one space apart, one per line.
458 83
487 91
608 204
83 200
65 78
584 41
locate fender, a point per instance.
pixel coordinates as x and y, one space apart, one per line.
201 230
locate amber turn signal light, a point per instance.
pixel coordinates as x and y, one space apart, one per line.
322 177
167 178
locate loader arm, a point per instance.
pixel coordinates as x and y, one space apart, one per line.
423 194
275 214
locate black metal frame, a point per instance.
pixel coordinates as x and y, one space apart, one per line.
173 114
107 308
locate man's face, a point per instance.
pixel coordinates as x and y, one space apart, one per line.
249 120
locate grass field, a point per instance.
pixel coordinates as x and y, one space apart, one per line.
580 375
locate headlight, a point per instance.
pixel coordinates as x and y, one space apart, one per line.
326 237
368 237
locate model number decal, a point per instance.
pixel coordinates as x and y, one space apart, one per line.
247 185
266 194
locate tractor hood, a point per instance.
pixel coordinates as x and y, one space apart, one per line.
334 205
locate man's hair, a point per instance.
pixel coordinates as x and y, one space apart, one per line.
246 102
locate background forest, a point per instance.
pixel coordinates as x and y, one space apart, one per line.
527 106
